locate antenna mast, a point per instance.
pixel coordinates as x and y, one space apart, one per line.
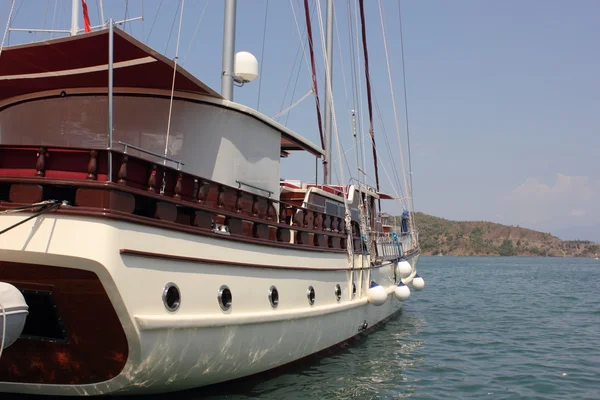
228 50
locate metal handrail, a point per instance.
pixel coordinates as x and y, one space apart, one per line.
240 183
127 145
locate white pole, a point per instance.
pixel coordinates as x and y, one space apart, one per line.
110 98
328 89
228 50
74 16
103 22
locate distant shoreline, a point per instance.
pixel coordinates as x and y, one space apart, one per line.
498 256
488 239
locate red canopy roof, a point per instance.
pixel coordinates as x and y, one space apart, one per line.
82 61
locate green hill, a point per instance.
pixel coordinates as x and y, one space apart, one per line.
480 238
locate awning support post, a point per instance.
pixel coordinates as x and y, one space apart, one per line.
110 98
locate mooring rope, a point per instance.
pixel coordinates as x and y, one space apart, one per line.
49 205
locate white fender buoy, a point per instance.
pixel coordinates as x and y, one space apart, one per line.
404 269
402 292
15 311
376 294
418 283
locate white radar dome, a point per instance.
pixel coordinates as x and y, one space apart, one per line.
246 66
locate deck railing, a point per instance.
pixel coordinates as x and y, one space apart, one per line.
148 192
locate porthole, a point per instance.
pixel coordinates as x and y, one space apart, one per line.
353 289
273 296
171 297
310 294
338 292
224 298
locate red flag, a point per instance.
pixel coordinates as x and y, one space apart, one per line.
86 17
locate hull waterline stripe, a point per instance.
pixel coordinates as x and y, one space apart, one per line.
78 71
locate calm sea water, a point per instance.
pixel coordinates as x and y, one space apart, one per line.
493 328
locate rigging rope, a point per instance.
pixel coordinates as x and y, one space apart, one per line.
173 89
44 21
347 215
154 20
300 37
187 53
389 70
293 105
388 147
314 77
287 86
406 111
173 26
125 18
287 117
54 17
47 206
262 55
12 6
337 32
369 100
143 21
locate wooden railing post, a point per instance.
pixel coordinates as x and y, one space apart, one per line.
221 196
93 166
238 201
254 205
178 186
122 174
152 179
40 164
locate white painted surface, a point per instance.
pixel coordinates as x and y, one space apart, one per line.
200 344
213 142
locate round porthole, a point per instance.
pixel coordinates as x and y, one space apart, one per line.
338 292
353 289
273 296
310 294
224 298
171 297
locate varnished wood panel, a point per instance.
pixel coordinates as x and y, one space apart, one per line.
23 193
97 348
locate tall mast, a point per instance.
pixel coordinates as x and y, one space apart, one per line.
74 16
328 88
228 50
369 101
314 80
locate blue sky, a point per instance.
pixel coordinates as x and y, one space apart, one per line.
503 97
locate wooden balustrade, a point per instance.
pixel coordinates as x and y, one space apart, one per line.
145 189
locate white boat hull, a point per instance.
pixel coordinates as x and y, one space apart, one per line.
200 344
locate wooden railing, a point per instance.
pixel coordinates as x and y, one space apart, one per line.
149 192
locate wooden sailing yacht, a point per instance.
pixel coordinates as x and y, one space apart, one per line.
147 243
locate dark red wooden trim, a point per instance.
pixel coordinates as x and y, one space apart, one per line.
240 264
221 262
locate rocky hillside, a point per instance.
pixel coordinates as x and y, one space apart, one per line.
480 238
